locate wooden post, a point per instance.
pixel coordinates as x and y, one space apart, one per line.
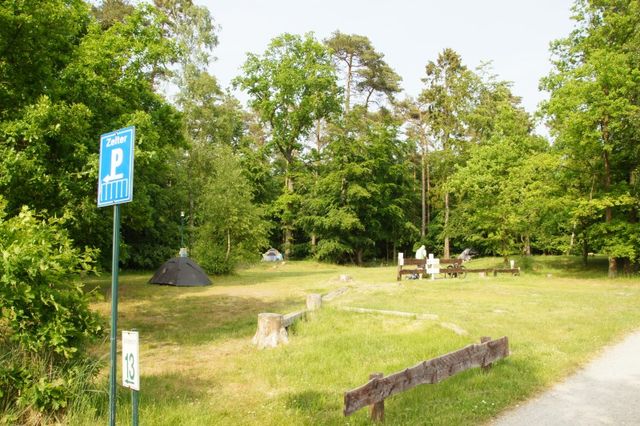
377 409
486 367
270 331
314 301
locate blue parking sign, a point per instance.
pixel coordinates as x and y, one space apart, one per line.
115 178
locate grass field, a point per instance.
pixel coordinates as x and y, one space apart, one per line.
199 367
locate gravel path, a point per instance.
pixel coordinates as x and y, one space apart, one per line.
606 392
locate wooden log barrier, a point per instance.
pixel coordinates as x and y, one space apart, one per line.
289 319
512 271
272 328
335 293
432 371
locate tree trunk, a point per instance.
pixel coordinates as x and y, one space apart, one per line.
446 253
395 255
226 257
288 227
366 102
527 246
608 213
428 194
318 136
270 331
423 179
633 218
613 267
573 237
347 96
359 256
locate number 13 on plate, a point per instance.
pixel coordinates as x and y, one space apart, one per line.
130 364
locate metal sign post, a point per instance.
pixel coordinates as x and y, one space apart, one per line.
115 186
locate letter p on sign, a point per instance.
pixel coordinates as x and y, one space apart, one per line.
117 156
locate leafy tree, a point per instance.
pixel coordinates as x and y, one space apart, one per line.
108 12
292 86
365 69
415 115
448 97
192 29
37 40
593 113
231 227
360 198
49 141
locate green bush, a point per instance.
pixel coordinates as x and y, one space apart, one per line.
45 320
231 229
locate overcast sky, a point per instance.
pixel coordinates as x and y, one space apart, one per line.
513 34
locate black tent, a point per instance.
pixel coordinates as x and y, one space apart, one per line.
181 272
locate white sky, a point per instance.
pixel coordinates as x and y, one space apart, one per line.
513 34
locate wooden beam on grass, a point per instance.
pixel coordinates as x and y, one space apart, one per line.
289 319
427 372
413 315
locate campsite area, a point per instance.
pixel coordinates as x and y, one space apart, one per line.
199 366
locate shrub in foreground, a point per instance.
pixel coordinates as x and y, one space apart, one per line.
45 320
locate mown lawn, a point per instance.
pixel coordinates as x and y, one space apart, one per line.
199 366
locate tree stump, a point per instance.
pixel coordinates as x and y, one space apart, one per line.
270 331
345 278
314 301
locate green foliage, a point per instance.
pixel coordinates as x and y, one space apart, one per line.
91 79
45 320
230 226
292 86
366 73
37 40
361 194
593 113
508 195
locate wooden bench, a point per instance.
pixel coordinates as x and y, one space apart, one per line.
420 266
512 271
451 261
461 272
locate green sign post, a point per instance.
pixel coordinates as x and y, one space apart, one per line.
114 313
115 186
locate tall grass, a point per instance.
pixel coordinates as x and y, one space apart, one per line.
56 391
